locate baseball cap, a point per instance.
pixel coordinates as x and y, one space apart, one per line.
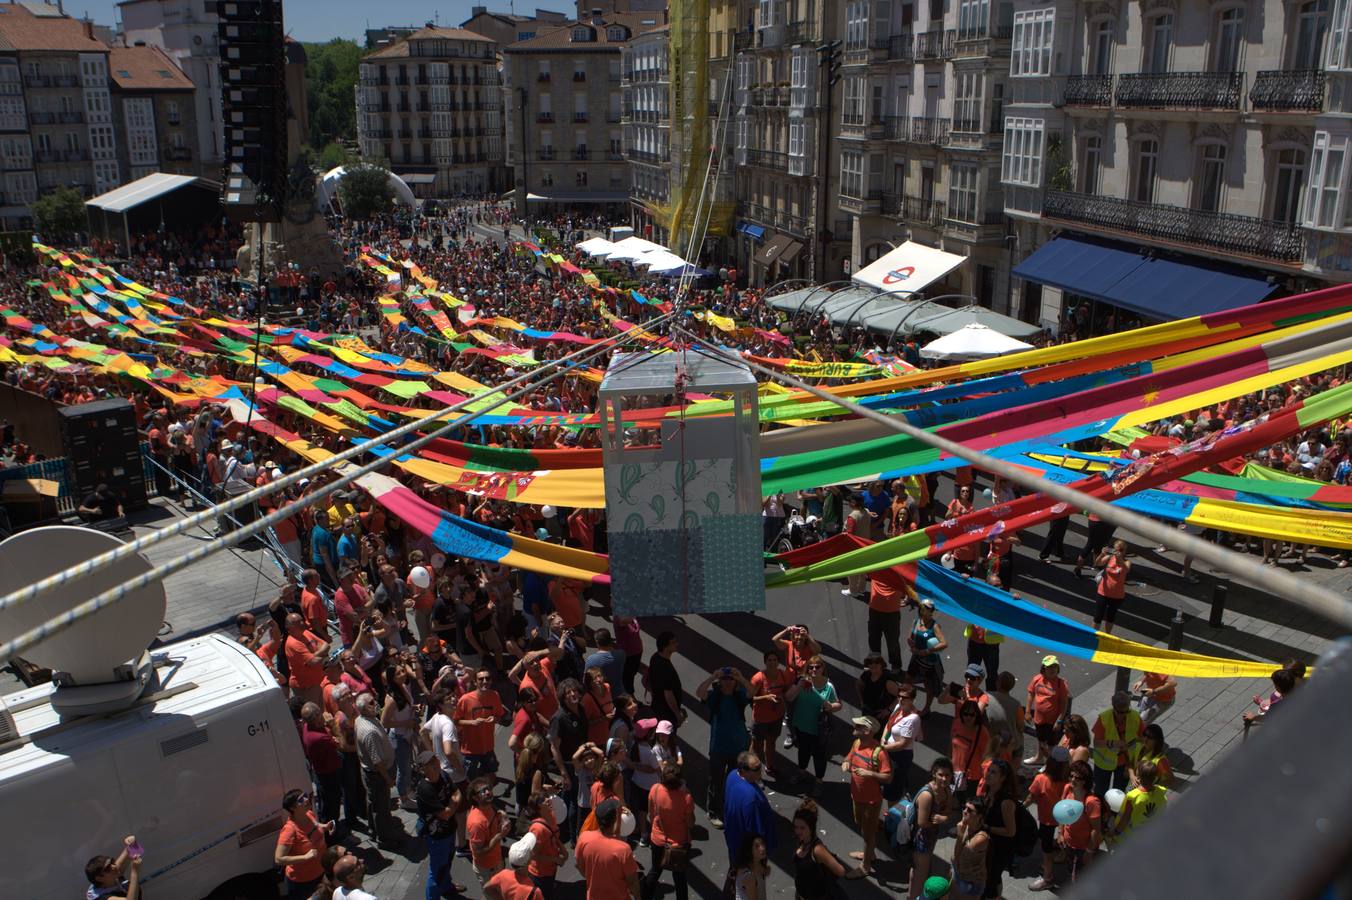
644 727
1060 754
974 671
542 534
1050 660
424 757
521 852
867 722
936 886
665 727
607 811
927 602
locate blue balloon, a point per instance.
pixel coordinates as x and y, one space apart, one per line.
1068 811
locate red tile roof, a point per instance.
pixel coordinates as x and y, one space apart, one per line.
561 38
399 49
22 30
146 69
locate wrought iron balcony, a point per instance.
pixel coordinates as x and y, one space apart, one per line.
1288 90
934 45
1089 90
901 46
798 32
42 118
768 159
742 40
1180 90
924 130
917 210
545 154
71 118
867 202
1224 232
647 156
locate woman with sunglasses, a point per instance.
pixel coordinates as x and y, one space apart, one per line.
301 845
105 874
813 702
969 853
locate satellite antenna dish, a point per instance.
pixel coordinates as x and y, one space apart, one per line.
100 663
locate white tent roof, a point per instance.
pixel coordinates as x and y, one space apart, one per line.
596 246
155 185
661 260
327 188
634 248
975 341
910 267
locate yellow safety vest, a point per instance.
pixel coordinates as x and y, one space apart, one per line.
1146 804
1106 757
986 635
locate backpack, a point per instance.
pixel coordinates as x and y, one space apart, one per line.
1025 831
899 824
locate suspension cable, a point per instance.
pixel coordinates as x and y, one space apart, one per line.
1327 603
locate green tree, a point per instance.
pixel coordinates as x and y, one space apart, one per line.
365 191
60 215
331 76
334 155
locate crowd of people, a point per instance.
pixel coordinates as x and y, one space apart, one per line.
522 723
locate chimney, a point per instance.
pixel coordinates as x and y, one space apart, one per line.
477 11
89 29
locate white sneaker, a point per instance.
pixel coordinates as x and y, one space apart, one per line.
1033 761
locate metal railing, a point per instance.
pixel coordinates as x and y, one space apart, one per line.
1179 90
934 45
866 201
797 32
1225 232
768 159
1288 90
918 210
178 153
901 46
1089 90
42 118
917 129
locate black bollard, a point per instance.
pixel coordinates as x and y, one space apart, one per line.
1123 679
1218 594
1176 630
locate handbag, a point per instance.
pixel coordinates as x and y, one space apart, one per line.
675 857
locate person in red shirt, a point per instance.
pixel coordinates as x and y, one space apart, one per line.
869 769
538 668
964 557
1112 585
1083 836
1048 700
486 827
671 809
885 599
549 850
607 863
321 751
311 604
767 707
1048 789
350 602
306 655
476 714
515 882
301 845
597 705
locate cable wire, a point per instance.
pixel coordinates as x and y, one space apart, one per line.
1329 604
103 560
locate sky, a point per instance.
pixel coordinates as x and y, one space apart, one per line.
321 20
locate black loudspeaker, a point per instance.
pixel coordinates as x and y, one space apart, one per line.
253 105
103 447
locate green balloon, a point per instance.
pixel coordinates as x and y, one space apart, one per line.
936 886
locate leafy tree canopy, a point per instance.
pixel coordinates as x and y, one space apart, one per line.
365 191
60 215
331 76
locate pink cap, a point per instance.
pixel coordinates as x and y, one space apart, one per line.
665 727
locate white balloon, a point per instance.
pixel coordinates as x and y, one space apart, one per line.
628 824
948 561
420 577
559 807
548 512
1115 798
438 561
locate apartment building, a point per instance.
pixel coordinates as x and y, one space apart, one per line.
431 105
186 31
789 224
919 130
54 78
645 96
1174 157
155 113
508 28
565 136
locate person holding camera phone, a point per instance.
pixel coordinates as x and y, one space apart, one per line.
727 693
1112 584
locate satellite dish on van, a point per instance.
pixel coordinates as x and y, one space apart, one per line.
106 649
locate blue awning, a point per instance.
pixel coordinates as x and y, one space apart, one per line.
755 231
1158 287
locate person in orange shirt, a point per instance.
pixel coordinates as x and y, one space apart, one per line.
1158 693
607 863
885 599
301 845
1048 699
549 850
1112 585
767 707
671 808
311 604
597 705
476 714
869 768
306 656
536 671
486 827
964 557
969 737
515 882
1048 789
566 595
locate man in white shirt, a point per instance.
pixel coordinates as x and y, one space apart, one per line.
349 872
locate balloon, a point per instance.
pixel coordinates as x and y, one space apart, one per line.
628 824
559 807
948 561
932 643
1115 798
420 577
300 310
548 512
985 492
1068 811
438 561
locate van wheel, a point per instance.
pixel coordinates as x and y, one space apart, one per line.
259 886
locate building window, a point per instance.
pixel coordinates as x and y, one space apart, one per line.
1326 181
1312 22
1022 159
1211 177
1032 47
856 25
1229 41
582 35
967 104
852 111
1340 41
1145 170
581 179
797 133
1101 47
852 174
1288 175
1091 165
973 19
1159 39
962 193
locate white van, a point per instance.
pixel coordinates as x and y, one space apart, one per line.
196 769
